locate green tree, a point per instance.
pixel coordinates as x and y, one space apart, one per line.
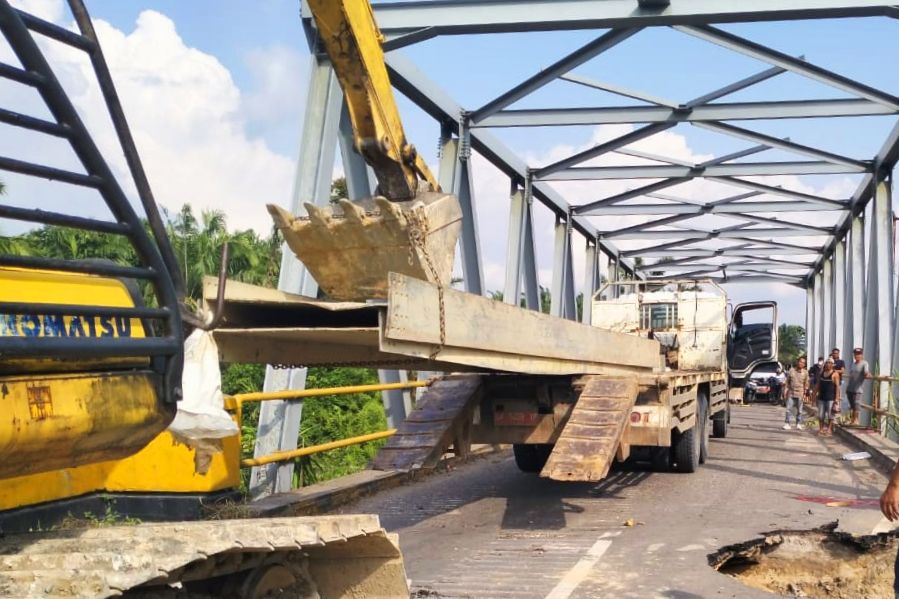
339 190
790 343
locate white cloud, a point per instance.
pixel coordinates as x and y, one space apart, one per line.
188 118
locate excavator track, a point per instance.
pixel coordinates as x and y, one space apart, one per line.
308 558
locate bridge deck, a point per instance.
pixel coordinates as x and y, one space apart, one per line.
487 530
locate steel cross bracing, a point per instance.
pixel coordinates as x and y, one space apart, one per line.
761 232
754 232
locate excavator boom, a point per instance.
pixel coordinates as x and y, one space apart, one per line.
352 40
350 248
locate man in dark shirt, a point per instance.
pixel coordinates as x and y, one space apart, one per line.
838 364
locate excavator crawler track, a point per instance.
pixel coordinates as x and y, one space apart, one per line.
308 558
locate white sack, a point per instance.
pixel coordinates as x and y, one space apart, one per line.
201 412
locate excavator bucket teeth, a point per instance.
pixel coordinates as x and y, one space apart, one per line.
350 248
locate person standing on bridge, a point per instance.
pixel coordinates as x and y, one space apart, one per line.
828 393
796 388
855 381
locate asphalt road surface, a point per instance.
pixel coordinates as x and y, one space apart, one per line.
488 530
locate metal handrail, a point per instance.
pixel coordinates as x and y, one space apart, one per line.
283 456
235 403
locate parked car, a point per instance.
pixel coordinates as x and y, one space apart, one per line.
761 377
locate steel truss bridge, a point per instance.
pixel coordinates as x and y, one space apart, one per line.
759 232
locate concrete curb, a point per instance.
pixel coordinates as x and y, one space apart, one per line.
884 452
325 497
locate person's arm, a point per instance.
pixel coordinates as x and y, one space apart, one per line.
836 384
889 501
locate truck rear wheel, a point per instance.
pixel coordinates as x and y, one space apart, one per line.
686 447
531 457
720 422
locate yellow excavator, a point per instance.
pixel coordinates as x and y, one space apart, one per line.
92 353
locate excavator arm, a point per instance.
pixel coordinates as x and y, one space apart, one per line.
351 247
351 38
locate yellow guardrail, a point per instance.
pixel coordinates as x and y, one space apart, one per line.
235 403
283 456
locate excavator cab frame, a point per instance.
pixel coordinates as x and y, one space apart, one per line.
28 336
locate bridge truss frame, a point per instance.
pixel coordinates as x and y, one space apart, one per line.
850 289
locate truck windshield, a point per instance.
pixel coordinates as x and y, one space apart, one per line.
658 316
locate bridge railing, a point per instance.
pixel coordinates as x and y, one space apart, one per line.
235 404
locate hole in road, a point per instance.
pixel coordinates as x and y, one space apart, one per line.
820 563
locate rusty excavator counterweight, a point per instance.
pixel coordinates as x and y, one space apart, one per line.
410 226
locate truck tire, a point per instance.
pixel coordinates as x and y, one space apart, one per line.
531 457
720 422
705 426
687 446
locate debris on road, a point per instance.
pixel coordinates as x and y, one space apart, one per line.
858 455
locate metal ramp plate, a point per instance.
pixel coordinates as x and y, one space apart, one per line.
441 418
587 445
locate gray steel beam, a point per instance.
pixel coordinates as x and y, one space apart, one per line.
820 343
705 253
786 145
592 280
783 223
521 266
800 67
279 421
722 111
455 176
457 17
827 314
838 312
779 191
855 281
736 86
397 402
885 160
696 235
693 209
411 82
608 40
600 149
809 323
618 90
882 234
562 301
741 169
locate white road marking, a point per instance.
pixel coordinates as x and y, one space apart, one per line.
654 547
694 547
576 575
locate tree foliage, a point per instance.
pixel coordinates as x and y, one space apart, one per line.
790 343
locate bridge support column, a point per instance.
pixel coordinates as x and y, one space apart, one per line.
810 324
521 263
592 280
562 302
279 421
820 342
879 309
839 300
827 313
455 177
855 283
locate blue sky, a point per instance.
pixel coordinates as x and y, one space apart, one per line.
248 61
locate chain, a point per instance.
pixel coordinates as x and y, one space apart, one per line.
418 236
391 364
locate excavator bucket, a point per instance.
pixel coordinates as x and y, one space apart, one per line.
351 247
